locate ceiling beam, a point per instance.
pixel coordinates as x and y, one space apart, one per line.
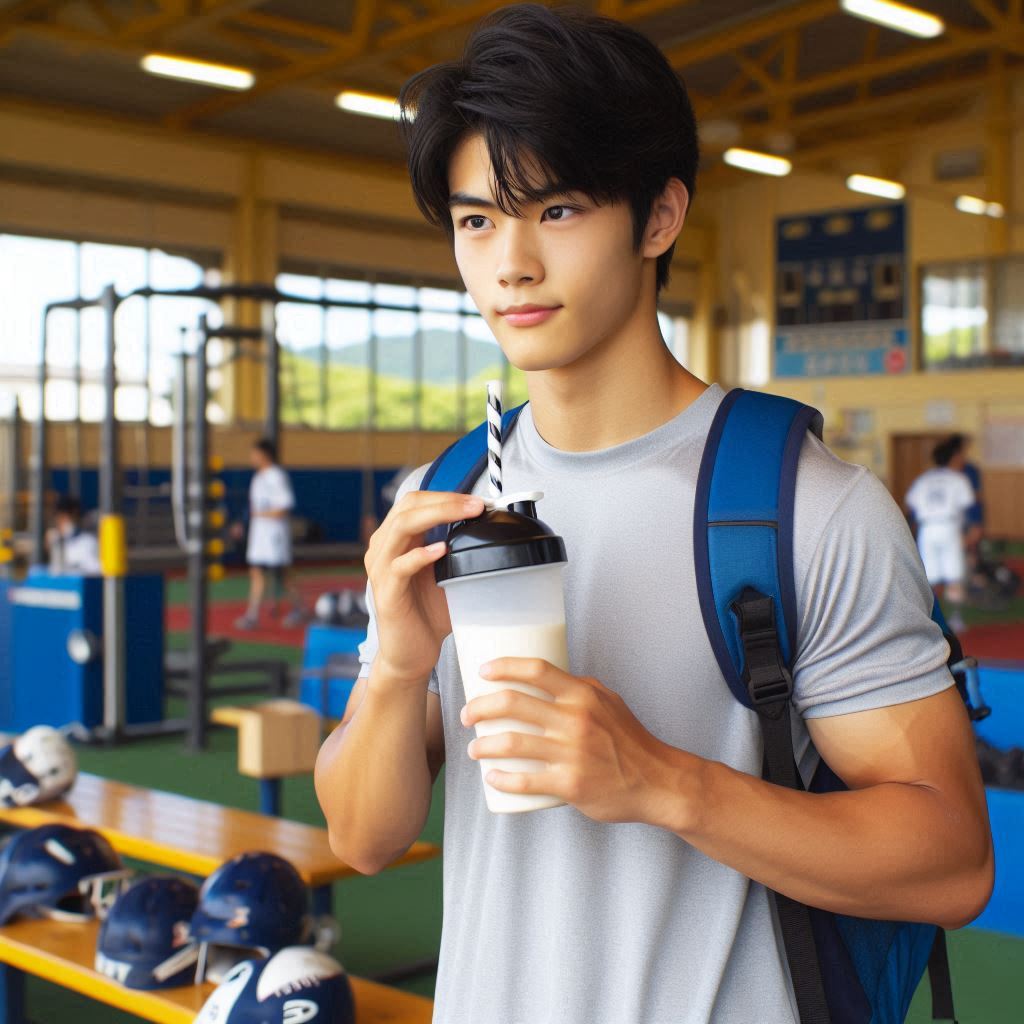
725 39
399 13
104 15
753 70
633 10
989 12
12 17
345 50
388 42
182 19
322 34
865 111
962 44
255 41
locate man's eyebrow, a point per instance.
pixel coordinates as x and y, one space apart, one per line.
465 199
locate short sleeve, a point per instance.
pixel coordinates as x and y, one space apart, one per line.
279 491
966 493
368 648
866 638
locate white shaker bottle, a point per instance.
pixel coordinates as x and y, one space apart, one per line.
502 577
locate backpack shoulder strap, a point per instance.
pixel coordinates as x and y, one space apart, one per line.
743 557
461 463
743 520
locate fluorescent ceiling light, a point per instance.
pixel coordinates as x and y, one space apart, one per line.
979 207
971 204
761 163
875 186
898 16
369 104
197 71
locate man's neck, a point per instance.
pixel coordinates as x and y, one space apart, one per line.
626 388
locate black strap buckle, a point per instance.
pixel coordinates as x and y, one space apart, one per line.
767 678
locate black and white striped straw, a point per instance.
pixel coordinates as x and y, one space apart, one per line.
494 436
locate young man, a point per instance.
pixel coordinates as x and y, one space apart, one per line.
269 547
940 499
560 155
72 549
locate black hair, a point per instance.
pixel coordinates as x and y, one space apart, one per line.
957 443
943 452
588 102
265 445
68 505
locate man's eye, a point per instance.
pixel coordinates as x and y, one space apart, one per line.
564 212
475 222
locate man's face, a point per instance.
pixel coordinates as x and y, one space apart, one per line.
257 459
565 253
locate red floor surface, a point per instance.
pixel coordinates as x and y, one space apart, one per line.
223 615
1003 641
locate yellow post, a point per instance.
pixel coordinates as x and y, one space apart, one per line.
113 546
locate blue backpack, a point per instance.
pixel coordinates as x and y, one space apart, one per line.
845 970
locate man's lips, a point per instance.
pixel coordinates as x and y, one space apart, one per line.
528 316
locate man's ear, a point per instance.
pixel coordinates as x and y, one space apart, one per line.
666 220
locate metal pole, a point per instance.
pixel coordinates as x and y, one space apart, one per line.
109 469
14 457
272 358
75 455
195 739
37 525
179 454
114 639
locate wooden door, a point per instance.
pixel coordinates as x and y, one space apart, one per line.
909 456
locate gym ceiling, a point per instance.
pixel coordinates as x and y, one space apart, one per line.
798 78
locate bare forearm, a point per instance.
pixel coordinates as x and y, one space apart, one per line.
372 776
892 851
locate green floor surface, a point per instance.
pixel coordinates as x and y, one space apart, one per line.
235 586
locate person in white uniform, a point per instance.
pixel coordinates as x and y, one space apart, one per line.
269 547
939 499
72 550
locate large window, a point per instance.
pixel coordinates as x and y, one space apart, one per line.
38 271
419 364
402 357
972 313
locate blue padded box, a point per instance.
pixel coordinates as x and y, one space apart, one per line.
45 687
322 643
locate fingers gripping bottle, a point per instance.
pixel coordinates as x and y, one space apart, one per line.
502 577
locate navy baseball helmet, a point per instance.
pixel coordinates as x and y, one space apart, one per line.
59 872
39 765
144 942
294 986
254 904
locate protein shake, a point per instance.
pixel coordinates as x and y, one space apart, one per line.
502 577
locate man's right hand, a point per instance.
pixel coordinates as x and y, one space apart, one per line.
411 610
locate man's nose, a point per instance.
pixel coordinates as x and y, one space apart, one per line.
520 263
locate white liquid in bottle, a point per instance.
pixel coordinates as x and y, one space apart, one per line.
478 644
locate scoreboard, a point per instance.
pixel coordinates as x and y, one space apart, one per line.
840 293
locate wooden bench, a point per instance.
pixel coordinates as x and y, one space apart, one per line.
195 836
64 954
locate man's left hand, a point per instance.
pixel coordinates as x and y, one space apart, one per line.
598 756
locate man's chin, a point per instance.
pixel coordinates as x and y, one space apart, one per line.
537 357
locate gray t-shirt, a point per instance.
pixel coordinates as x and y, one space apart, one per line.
553 918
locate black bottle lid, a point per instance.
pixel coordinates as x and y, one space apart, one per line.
508 536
